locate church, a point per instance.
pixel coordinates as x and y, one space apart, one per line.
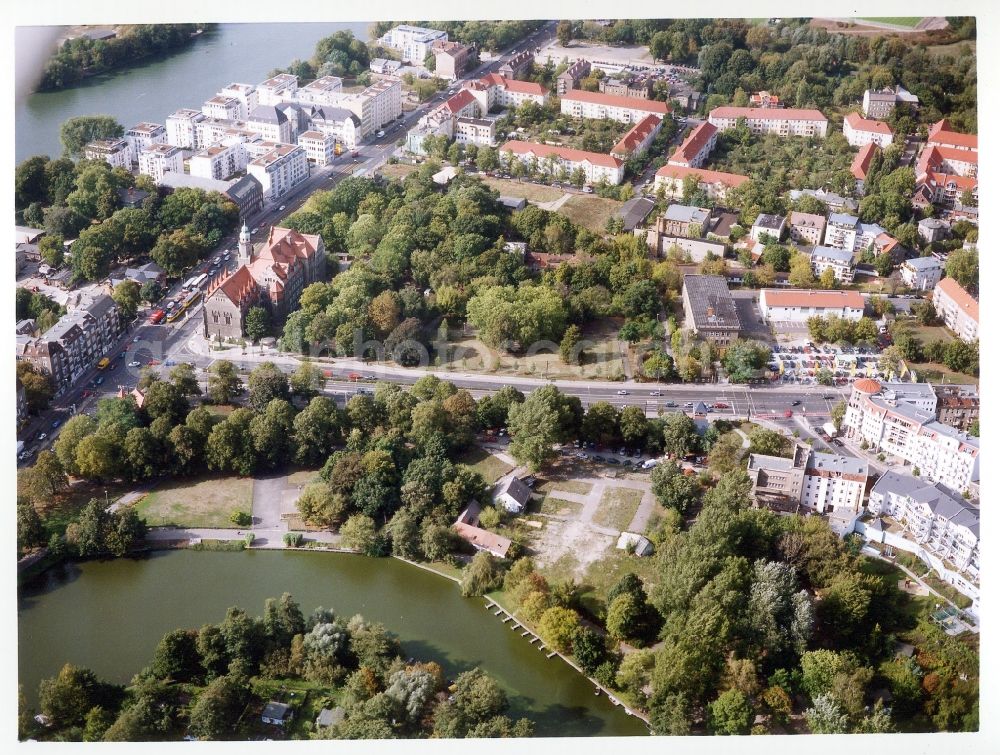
272 277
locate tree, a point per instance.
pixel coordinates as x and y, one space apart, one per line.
826 717
672 488
218 707
29 525
588 649
534 429
77 132
320 506
223 382
257 323
744 360
658 366
730 713
478 696
96 458
963 266
38 386
801 275
265 383
564 33
567 347
768 442
633 426
359 533
175 252
679 434
230 446
176 656
481 575
68 696
558 626
272 435
317 430
47 476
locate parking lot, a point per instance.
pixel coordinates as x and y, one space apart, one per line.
802 364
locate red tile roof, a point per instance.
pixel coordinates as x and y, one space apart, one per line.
958 155
498 545
694 143
961 297
514 85
859 168
614 100
767 113
637 134
237 287
943 179
462 99
941 134
867 385
705 176
864 124
541 151
885 243
809 298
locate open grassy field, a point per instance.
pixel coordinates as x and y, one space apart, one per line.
908 22
531 192
204 502
927 333
617 507
488 465
600 576
952 49
570 486
302 477
938 373
590 211
400 170
556 506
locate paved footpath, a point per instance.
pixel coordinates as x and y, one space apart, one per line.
263 538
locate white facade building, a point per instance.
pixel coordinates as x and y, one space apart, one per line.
820 482
222 107
595 166
861 131
921 273
141 135
271 123
767 225
579 103
780 305
280 170
115 152
219 161
282 87
325 91
767 120
841 261
245 94
413 42
182 128
958 309
319 147
479 131
157 159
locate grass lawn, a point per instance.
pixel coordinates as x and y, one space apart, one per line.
908 22
206 502
938 373
400 170
569 486
302 477
915 606
589 211
509 187
488 465
927 333
559 507
617 507
601 575
953 48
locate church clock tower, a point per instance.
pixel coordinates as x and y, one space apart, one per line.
245 251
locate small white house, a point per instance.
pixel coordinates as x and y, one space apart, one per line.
641 545
514 495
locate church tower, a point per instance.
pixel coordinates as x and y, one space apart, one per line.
245 250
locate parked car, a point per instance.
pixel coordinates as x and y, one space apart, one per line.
656 393
796 402
56 423
670 404
42 436
613 460
622 392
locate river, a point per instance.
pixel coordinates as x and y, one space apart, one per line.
154 88
109 615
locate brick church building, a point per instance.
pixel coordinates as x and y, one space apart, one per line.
271 277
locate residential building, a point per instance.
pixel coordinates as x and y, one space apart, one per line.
921 273
886 244
451 59
467 527
384 66
765 100
709 309
513 495
271 123
245 94
219 161
634 212
934 516
570 78
683 220
132 198
273 276
806 228
767 225
957 405
181 128
595 166
72 346
115 152
22 401
142 135
695 250
579 103
696 147
932 229
148 273
948 165
834 202
277 714
942 135
376 105
517 66
479 131
414 43
159 158
850 234
714 183
946 189
627 86
247 194
343 125
222 107
861 131
638 138
798 305
880 103
958 309
174 180
495 91
819 482
890 423
841 261
319 147
860 166
766 120
280 170
326 91
283 87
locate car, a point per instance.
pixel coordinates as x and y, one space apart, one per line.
281 209
613 460
42 436
576 444
656 393
720 405
828 397
796 402
636 454
217 260
588 189
595 457
581 455
380 134
98 380
622 392
56 423
837 442
670 404
137 339
623 451
133 364
627 463
254 230
688 405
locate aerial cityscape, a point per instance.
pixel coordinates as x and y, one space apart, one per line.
563 378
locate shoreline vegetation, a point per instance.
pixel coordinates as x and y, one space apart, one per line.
83 57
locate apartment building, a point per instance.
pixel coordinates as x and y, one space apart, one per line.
451 59
696 147
627 86
414 43
247 194
820 482
271 123
860 166
848 232
957 405
948 166
517 65
798 305
283 87
582 104
767 225
861 131
280 170
218 162
880 103
806 228
571 77
933 229
71 347
182 128
921 273
934 516
479 131
376 105
833 202
142 135
709 309
841 261
683 220
596 166
343 125
890 422
639 137
223 107
319 147
115 152
766 120
714 183
326 91
157 159
764 99
245 94
958 309
496 91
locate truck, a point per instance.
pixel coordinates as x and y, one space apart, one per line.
830 429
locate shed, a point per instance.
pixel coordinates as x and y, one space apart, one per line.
443 177
513 203
329 717
277 713
514 495
642 546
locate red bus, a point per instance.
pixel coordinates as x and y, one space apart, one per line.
157 316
